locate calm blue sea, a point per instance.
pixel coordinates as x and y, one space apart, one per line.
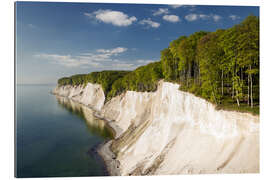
53 137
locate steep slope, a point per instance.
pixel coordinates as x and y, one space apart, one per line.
173 132
91 95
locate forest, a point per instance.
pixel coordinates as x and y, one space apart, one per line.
221 67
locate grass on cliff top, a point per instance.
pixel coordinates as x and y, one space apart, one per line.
230 105
226 103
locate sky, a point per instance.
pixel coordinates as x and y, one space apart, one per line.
54 40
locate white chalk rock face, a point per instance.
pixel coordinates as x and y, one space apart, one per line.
91 95
127 108
183 134
174 132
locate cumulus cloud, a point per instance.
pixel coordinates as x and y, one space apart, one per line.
191 17
104 59
171 18
194 17
234 17
116 18
216 17
161 11
102 55
114 51
149 23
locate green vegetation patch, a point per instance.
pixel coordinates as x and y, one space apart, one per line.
104 78
218 66
144 78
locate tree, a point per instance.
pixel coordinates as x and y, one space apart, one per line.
168 64
249 51
208 55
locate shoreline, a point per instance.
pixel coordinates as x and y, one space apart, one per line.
103 149
109 158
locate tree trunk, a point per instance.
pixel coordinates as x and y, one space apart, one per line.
186 77
251 89
251 93
241 72
232 89
237 99
222 82
189 72
233 83
199 77
195 72
214 97
248 88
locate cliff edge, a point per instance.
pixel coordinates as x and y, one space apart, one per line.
172 132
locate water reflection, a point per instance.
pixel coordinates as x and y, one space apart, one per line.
94 125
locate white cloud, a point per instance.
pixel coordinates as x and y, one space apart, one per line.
203 16
174 6
194 17
102 55
108 16
128 64
85 59
144 62
101 59
216 17
123 66
150 23
191 17
171 18
234 17
66 60
161 11
114 51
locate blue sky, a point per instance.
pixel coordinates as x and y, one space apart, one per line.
61 39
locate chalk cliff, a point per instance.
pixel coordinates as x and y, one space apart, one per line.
173 132
91 95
